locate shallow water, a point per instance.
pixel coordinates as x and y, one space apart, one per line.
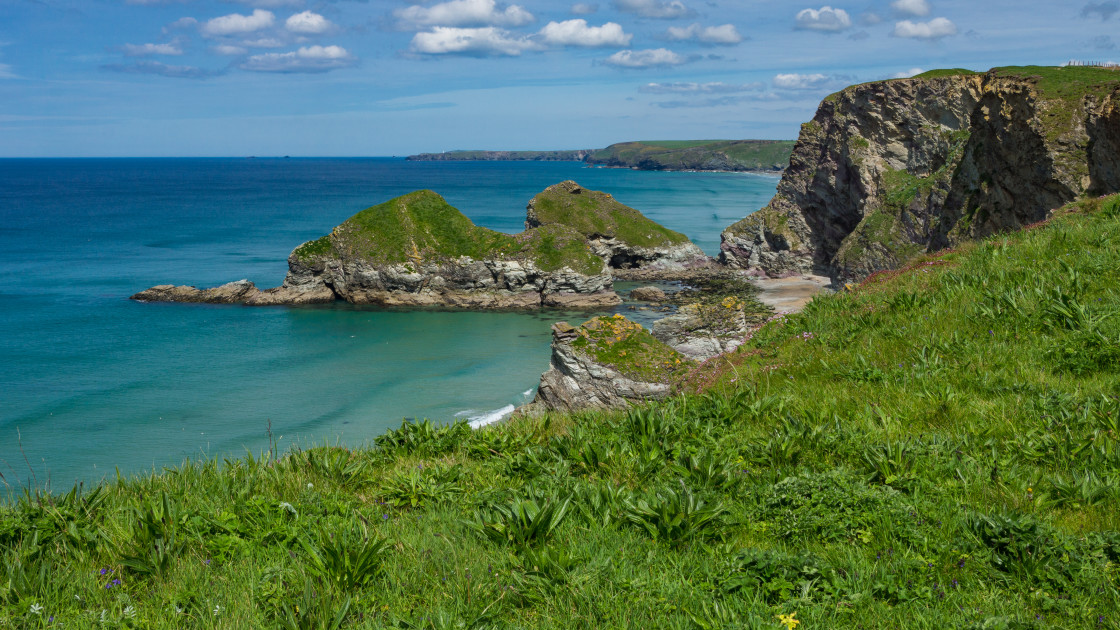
93 382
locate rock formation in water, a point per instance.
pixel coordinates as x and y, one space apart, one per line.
890 169
608 362
417 250
619 234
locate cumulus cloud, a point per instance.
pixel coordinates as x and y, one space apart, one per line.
306 59
308 23
824 19
463 13
144 50
932 30
725 34
237 24
664 9
699 88
584 9
800 81
162 69
444 40
1104 9
644 58
578 33
918 8
906 74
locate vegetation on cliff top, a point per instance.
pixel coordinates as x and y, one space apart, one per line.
731 155
630 349
937 448
594 214
421 226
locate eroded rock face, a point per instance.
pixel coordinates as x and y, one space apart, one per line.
891 169
702 331
575 381
648 294
229 293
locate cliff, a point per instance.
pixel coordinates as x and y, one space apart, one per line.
767 156
891 169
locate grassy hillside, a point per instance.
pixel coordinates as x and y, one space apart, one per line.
729 155
595 213
515 156
936 448
422 226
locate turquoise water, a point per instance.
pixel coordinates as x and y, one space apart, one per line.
92 382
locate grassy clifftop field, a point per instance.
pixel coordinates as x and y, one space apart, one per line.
938 447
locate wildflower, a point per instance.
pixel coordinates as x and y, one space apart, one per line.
310 486
788 620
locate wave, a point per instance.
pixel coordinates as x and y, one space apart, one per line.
478 420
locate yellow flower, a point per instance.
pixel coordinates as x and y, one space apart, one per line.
788 621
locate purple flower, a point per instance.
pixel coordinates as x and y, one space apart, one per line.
384 517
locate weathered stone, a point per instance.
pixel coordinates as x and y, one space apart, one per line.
229 293
647 294
575 381
891 169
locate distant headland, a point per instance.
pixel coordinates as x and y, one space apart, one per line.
759 156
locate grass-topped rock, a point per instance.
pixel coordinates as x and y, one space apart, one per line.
618 233
892 169
608 362
418 250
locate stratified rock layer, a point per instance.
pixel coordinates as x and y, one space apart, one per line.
891 169
576 381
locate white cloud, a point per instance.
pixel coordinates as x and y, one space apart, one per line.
644 58
800 81
667 9
443 40
306 59
919 8
186 22
308 23
824 19
143 50
931 30
907 73
699 88
227 49
463 13
726 34
578 33
237 24
584 9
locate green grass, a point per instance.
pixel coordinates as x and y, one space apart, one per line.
765 155
421 226
631 350
937 448
593 213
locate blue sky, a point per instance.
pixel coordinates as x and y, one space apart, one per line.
393 77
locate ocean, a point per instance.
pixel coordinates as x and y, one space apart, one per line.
92 383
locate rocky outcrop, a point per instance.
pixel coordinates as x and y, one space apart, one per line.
647 294
576 380
617 233
229 293
702 331
891 169
759 156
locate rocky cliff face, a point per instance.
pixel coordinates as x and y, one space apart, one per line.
891 169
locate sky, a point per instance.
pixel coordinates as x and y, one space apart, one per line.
395 77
